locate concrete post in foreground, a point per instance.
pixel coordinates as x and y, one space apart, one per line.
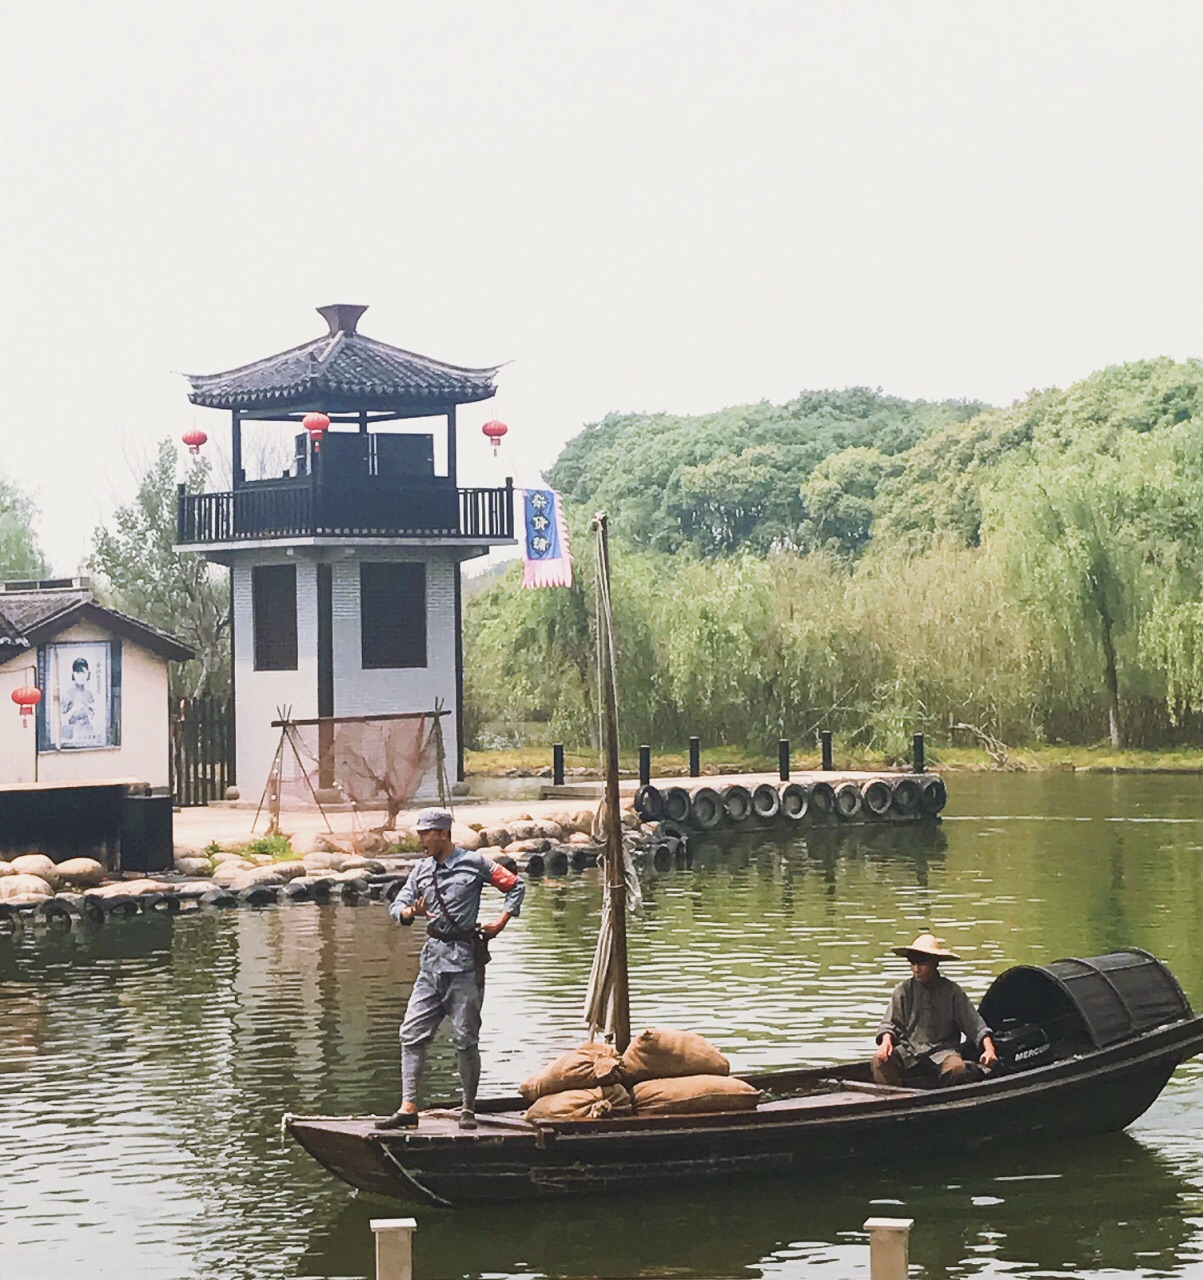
394 1248
888 1247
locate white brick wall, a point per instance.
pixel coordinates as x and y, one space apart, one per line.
260 694
357 692
362 693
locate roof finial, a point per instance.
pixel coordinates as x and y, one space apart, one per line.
342 317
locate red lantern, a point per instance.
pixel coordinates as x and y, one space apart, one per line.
317 424
194 439
494 430
26 698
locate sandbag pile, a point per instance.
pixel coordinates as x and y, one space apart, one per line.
661 1072
581 1084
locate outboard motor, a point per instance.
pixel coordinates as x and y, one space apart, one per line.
1023 1045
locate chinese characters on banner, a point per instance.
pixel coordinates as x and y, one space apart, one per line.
546 561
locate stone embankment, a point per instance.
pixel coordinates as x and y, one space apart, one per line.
35 888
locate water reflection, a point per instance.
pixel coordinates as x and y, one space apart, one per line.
1112 1204
146 1062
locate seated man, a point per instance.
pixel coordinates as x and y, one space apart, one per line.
924 1022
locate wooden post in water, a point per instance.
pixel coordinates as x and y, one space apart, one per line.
825 739
645 765
557 764
695 757
616 877
918 755
888 1247
394 1248
783 759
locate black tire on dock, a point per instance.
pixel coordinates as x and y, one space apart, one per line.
535 866
91 910
795 800
676 804
557 863
294 892
878 797
119 904
662 857
166 902
55 909
352 890
766 801
737 802
582 858
906 797
319 890
848 800
933 795
258 895
649 803
822 799
219 897
706 809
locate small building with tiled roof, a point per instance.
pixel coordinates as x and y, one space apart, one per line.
103 680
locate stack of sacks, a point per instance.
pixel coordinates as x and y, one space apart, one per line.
661 1073
582 1084
679 1073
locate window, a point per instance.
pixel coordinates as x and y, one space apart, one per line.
392 615
81 695
274 607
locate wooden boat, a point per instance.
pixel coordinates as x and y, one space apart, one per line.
1116 1027
1091 1044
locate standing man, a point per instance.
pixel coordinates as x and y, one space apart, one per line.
445 887
924 1022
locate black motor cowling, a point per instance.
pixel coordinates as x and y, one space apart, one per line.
1024 1045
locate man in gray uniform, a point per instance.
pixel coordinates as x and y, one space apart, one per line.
445 887
924 1022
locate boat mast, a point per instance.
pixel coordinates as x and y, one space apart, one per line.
615 865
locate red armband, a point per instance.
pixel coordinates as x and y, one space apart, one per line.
502 879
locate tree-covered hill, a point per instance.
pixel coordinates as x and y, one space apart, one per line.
732 481
872 565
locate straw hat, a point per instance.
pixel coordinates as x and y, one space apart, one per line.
927 944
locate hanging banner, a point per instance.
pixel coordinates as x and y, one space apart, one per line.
546 560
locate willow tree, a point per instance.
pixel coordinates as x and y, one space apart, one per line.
1076 562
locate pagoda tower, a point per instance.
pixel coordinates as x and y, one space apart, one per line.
345 566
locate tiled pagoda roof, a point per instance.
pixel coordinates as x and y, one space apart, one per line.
344 372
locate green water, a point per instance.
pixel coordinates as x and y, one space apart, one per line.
144 1065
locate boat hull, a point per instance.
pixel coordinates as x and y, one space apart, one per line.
505 1160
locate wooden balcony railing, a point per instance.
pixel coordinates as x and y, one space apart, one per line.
304 508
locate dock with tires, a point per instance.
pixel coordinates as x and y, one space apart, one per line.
813 799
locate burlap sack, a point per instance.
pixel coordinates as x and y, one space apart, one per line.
656 1054
582 1104
584 1068
683 1095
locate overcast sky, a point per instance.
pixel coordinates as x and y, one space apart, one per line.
644 206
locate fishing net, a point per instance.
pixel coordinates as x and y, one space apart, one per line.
371 762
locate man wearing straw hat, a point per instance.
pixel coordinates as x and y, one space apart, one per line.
928 1014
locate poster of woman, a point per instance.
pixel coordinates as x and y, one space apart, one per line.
79 695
